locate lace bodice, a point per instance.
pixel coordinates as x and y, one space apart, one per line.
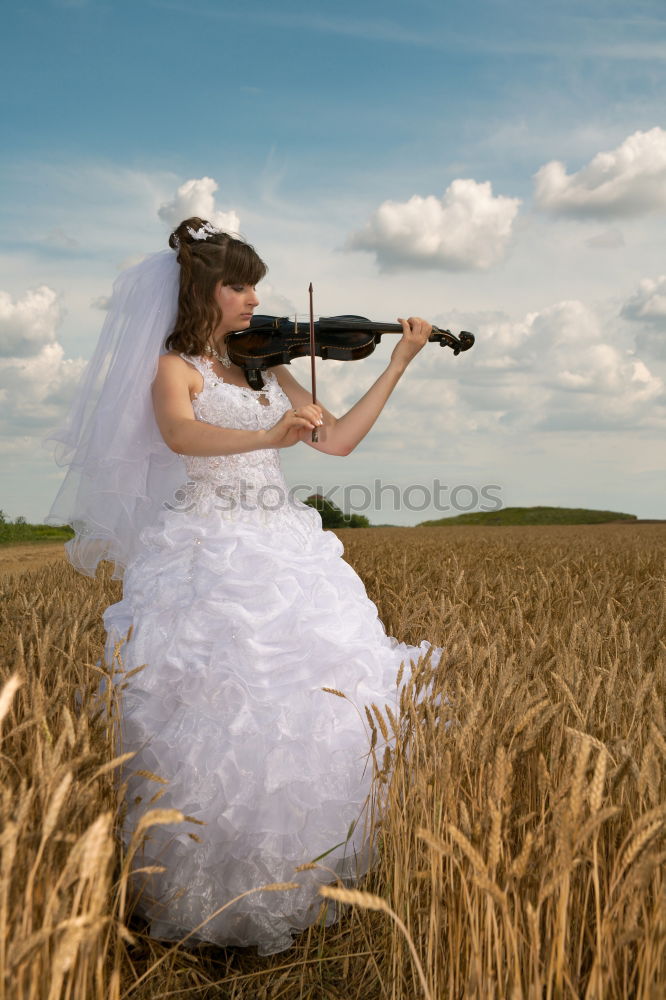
246 482
227 405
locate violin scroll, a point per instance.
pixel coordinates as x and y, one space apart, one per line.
445 338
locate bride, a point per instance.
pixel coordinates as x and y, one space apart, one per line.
244 617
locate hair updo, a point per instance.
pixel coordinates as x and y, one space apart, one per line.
204 263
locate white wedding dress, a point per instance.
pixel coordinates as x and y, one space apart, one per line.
243 611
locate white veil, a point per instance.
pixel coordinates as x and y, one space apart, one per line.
120 470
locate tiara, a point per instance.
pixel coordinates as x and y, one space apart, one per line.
204 231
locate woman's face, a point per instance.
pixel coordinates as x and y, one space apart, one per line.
237 303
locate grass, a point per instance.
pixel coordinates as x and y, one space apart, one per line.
521 826
532 515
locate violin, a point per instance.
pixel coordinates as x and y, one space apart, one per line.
276 340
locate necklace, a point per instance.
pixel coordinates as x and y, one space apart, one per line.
224 359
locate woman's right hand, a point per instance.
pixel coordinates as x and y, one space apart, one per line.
294 426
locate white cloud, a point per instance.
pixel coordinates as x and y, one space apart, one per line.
28 324
648 302
502 338
467 229
648 306
628 180
652 343
554 370
273 303
36 381
557 369
36 391
197 197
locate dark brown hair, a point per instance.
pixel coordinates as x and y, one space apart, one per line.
203 263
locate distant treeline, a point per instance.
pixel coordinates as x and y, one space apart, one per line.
20 530
332 516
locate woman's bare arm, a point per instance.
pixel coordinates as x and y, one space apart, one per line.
184 434
340 435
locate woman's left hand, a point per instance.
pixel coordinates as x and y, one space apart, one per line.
415 333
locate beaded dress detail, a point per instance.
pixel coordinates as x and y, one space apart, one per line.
243 610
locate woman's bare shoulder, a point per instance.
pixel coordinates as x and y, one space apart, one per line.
173 368
172 359
173 365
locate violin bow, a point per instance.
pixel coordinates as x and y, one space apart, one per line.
315 432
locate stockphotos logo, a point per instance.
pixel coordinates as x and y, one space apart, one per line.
357 498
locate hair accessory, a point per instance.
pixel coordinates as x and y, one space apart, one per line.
204 231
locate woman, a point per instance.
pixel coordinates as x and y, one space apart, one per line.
241 607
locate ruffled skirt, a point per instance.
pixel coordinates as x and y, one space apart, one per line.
242 627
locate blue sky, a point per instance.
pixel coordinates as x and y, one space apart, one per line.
388 153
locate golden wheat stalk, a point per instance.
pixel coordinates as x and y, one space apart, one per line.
368 901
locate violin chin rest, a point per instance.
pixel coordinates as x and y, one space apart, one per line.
254 378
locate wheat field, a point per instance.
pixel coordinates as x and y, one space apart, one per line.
520 808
